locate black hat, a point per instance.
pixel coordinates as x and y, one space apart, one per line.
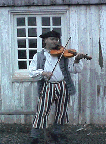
50 34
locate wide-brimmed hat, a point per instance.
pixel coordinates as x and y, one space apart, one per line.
50 34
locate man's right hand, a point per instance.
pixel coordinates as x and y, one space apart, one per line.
47 74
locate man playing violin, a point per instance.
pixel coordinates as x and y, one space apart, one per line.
56 87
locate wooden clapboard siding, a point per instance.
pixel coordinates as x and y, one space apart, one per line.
86 27
101 75
25 99
88 33
0 98
6 75
74 110
48 2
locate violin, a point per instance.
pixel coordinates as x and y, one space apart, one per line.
68 53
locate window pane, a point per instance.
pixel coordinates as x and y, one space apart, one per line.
57 30
45 30
29 62
45 21
20 21
21 32
32 32
32 43
56 21
22 54
21 43
31 21
22 64
31 53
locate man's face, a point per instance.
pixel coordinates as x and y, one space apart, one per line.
51 42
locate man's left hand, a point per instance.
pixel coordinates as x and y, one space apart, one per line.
78 57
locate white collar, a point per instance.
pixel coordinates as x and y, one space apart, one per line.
46 50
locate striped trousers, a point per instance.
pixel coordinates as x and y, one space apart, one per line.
52 93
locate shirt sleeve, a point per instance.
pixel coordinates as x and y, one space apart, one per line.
75 67
33 71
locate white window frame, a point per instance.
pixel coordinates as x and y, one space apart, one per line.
40 11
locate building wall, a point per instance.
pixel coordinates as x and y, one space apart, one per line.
0 75
87 27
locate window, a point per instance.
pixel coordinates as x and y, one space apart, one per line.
27 29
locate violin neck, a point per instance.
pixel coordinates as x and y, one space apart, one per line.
87 57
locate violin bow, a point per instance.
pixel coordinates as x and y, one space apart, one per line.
60 56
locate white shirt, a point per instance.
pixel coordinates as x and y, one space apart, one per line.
50 64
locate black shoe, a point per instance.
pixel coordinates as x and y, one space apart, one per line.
35 141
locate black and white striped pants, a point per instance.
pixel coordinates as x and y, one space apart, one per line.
52 92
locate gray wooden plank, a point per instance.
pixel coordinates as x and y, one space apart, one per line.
48 2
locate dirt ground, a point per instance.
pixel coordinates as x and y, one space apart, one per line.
75 134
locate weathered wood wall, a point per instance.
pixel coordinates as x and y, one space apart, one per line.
87 27
48 2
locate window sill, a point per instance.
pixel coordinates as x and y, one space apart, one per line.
22 77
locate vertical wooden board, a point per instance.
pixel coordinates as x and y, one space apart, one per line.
103 47
0 98
94 35
93 87
76 106
98 89
83 45
100 76
0 63
74 27
20 102
100 108
105 103
103 31
87 63
97 110
103 106
18 90
27 96
102 100
21 88
6 75
101 119
35 96
73 109
7 118
85 84
82 28
28 100
17 100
